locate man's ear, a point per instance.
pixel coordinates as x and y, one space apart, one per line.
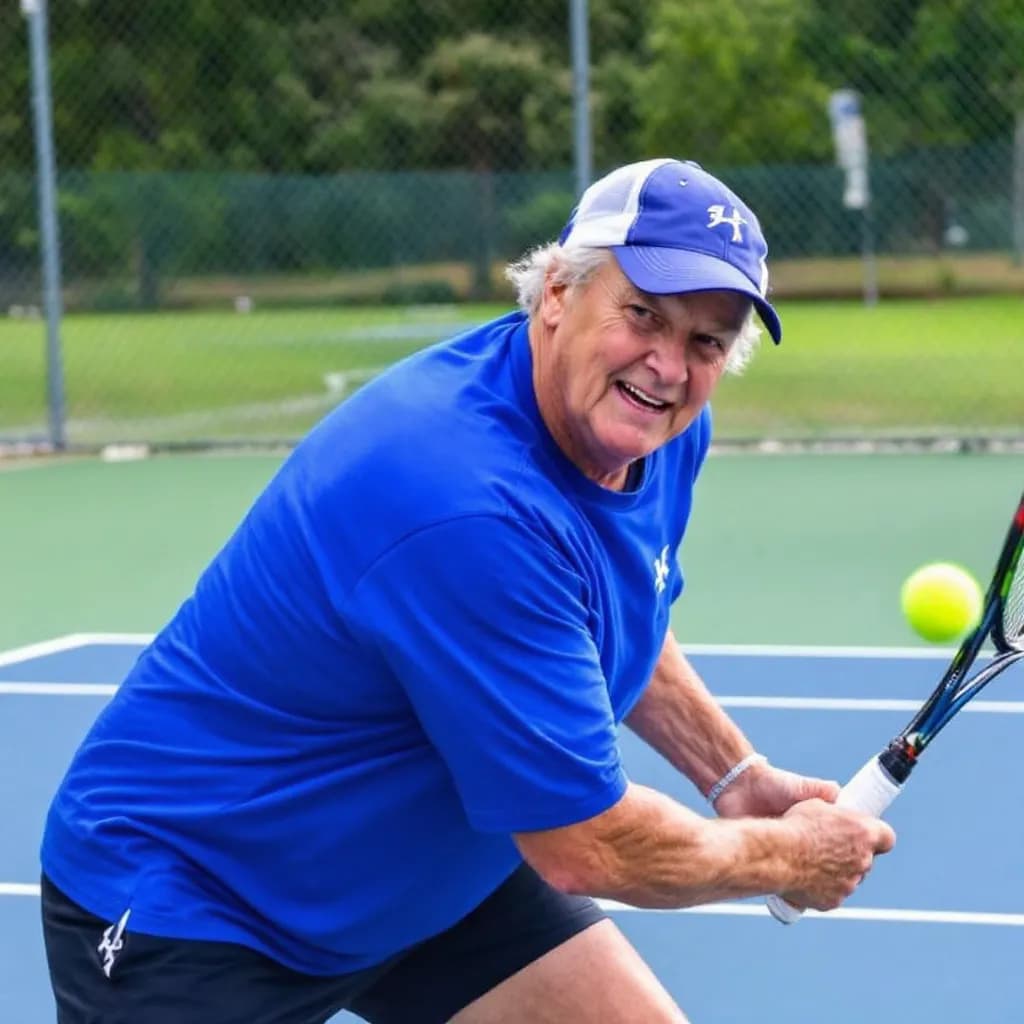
552 302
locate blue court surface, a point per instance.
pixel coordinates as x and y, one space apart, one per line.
936 933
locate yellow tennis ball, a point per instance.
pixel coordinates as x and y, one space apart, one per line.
941 601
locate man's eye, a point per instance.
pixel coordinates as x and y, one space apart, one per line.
711 341
641 312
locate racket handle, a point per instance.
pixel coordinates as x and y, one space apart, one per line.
871 790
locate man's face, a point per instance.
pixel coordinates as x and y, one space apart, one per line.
619 372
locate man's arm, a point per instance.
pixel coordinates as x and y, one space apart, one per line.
679 718
650 851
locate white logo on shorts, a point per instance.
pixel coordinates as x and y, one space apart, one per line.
112 943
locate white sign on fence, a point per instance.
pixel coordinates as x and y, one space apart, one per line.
851 142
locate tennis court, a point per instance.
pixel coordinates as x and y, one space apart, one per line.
219 221
793 565
818 709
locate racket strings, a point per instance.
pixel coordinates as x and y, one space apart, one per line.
1013 608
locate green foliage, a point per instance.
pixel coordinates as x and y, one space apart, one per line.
383 132
539 220
15 117
932 72
17 222
480 88
314 86
729 83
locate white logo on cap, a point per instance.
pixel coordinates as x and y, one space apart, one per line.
718 217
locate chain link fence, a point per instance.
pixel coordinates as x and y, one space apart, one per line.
261 204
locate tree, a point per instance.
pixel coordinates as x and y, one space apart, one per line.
728 83
931 72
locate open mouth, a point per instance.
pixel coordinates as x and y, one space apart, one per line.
640 398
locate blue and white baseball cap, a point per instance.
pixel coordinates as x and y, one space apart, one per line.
675 228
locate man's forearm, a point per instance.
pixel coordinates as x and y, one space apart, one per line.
649 851
679 718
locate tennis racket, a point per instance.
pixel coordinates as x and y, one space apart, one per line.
879 782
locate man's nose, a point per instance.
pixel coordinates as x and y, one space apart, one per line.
670 361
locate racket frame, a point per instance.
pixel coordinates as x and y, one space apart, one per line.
953 692
880 780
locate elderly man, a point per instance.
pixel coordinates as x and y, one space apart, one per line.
372 762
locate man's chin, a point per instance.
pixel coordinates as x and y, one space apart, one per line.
626 446
622 456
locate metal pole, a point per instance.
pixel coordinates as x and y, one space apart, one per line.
35 13
870 267
1018 188
580 44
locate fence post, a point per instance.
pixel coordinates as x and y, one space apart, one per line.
1018 187
580 45
46 173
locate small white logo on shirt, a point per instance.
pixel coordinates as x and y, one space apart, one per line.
661 570
112 943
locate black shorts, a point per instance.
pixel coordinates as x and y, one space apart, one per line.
155 980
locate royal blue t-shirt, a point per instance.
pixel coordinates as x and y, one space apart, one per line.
421 639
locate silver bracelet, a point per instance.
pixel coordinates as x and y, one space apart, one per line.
733 774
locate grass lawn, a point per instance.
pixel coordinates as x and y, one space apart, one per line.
904 366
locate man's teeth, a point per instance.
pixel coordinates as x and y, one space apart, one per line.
642 396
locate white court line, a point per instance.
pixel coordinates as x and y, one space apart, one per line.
813 651
998 707
40 650
58 689
900 916
739 650
114 639
992 707
69 642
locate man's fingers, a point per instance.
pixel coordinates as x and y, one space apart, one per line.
885 839
820 789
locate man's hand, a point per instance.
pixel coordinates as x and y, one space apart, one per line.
839 846
764 791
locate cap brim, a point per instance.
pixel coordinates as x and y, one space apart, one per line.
665 271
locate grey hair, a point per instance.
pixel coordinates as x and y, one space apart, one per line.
575 266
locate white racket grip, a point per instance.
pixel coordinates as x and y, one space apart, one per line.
871 790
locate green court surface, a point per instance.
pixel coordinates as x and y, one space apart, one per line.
782 548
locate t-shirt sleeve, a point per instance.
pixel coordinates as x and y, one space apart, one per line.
485 625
